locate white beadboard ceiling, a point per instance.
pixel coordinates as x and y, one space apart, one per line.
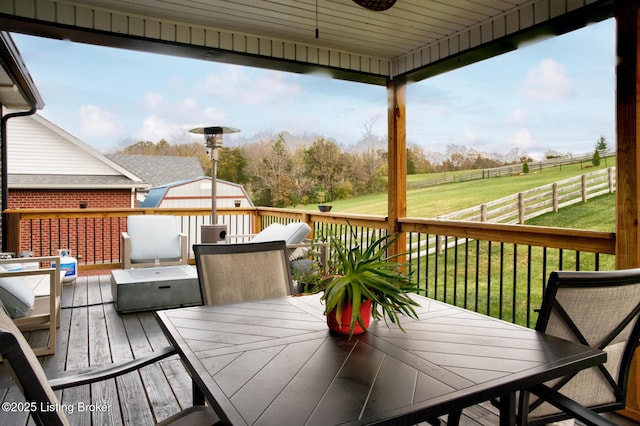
413 39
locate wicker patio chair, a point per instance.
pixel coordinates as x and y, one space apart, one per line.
598 309
231 273
31 379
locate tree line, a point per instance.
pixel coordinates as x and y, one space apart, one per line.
281 174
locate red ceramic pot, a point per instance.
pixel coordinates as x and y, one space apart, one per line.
344 325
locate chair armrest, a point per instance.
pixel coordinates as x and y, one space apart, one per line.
184 248
568 405
242 237
322 249
38 259
54 272
125 250
111 371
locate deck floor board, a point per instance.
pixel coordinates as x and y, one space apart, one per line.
92 333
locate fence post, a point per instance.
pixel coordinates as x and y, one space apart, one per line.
554 196
483 213
520 208
610 179
583 181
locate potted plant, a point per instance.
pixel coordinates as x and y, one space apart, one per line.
366 277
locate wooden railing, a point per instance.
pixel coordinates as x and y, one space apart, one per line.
497 269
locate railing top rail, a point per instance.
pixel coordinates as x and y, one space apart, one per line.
123 212
572 239
375 221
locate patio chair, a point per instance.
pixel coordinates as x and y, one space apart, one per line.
231 273
32 381
598 309
153 240
304 253
33 297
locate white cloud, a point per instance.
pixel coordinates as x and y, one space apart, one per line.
523 140
548 81
95 121
153 100
154 128
250 87
517 117
470 136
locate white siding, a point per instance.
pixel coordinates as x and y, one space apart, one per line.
33 148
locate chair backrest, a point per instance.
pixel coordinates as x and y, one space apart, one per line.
28 374
154 237
597 309
231 273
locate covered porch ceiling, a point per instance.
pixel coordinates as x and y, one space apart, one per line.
414 39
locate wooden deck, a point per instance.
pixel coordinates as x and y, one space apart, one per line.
92 334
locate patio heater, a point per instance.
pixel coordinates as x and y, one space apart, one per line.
214 233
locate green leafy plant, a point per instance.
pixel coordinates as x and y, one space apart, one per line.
359 274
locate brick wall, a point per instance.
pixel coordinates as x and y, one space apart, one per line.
53 198
98 240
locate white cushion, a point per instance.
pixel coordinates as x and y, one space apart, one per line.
297 232
154 237
16 296
273 232
293 233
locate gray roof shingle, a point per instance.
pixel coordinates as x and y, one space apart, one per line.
159 169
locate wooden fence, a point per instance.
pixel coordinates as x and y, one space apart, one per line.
526 205
511 170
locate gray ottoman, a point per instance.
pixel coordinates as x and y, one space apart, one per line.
149 289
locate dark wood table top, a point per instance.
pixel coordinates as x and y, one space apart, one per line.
274 362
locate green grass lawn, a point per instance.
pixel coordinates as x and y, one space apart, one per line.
598 214
481 281
447 198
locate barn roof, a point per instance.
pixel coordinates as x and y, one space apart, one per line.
158 193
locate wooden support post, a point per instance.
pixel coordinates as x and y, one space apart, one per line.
397 161
627 14
627 134
554 190
13 237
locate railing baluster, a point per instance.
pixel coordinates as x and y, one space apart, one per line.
501 297
466 273
488 277
445 268
455 271
477 276
528 301
514 284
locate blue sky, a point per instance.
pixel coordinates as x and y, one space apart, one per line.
557 94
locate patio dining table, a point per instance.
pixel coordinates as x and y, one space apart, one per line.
274 362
